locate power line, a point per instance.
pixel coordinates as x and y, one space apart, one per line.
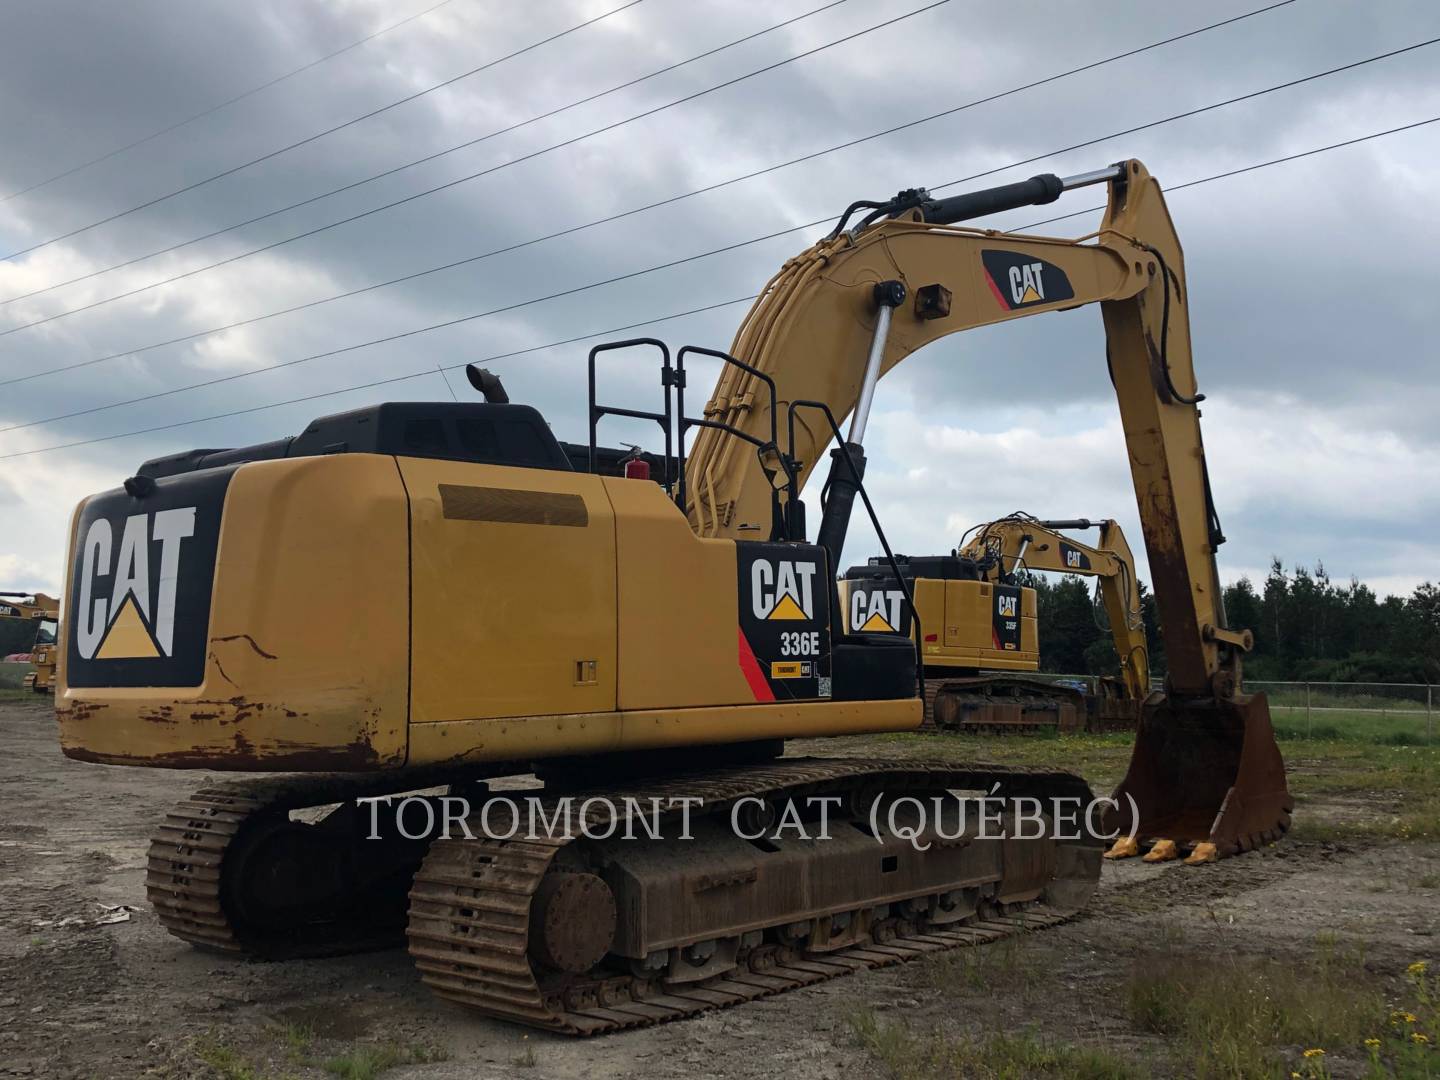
431 157
484 172
406 378
711 307
642 209
224 104
458 320
1252 168
321 134
685 259
565 232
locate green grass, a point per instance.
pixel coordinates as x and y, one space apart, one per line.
1405 1046
1396 787
368 1062
1242 1017
1399 727
1388 792
297 1039
225 1061
903 1055
1248 1018
365 1062
298 1044
1006 966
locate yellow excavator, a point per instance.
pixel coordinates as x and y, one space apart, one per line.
44 611
1022 542
422 597
981 619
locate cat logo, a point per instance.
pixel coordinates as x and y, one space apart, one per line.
1027 283
1018 280
1006 605
1074 558
876 611
783 589
126 606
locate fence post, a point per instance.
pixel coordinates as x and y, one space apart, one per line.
1309 727
1429 716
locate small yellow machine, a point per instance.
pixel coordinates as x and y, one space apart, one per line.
414 595
45 612
44 656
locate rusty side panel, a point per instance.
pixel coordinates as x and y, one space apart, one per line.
307 650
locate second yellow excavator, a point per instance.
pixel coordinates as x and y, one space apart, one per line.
415 595
982 632
44 612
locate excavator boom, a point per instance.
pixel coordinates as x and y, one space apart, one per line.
1207 770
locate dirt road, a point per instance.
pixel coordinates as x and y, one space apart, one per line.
83 997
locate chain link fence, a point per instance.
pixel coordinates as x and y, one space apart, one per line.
1399 713
1403 714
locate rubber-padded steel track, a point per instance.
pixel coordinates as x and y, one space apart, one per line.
471 905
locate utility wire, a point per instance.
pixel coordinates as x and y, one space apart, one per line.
222 105
661 266
320 134
573 229
649 322
429 157
484 172
1252 168
404 378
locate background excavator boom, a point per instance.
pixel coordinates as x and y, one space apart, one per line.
1019 541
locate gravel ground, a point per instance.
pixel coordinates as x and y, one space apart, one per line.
82 997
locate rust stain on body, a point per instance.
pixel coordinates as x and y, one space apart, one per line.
357 756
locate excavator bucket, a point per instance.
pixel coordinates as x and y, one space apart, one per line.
1206 773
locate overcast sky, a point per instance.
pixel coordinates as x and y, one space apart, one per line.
1313 283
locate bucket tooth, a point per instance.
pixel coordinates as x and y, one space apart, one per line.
1203 853
1125 847
1162 851
1204 772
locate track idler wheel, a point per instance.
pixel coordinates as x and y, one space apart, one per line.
1206 775
573 921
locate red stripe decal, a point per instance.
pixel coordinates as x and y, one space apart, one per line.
996 290
995 636
759 685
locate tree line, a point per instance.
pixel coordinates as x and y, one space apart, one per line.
1306 628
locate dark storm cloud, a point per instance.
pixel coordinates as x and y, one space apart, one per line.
1307 280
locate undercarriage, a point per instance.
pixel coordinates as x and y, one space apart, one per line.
633 904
